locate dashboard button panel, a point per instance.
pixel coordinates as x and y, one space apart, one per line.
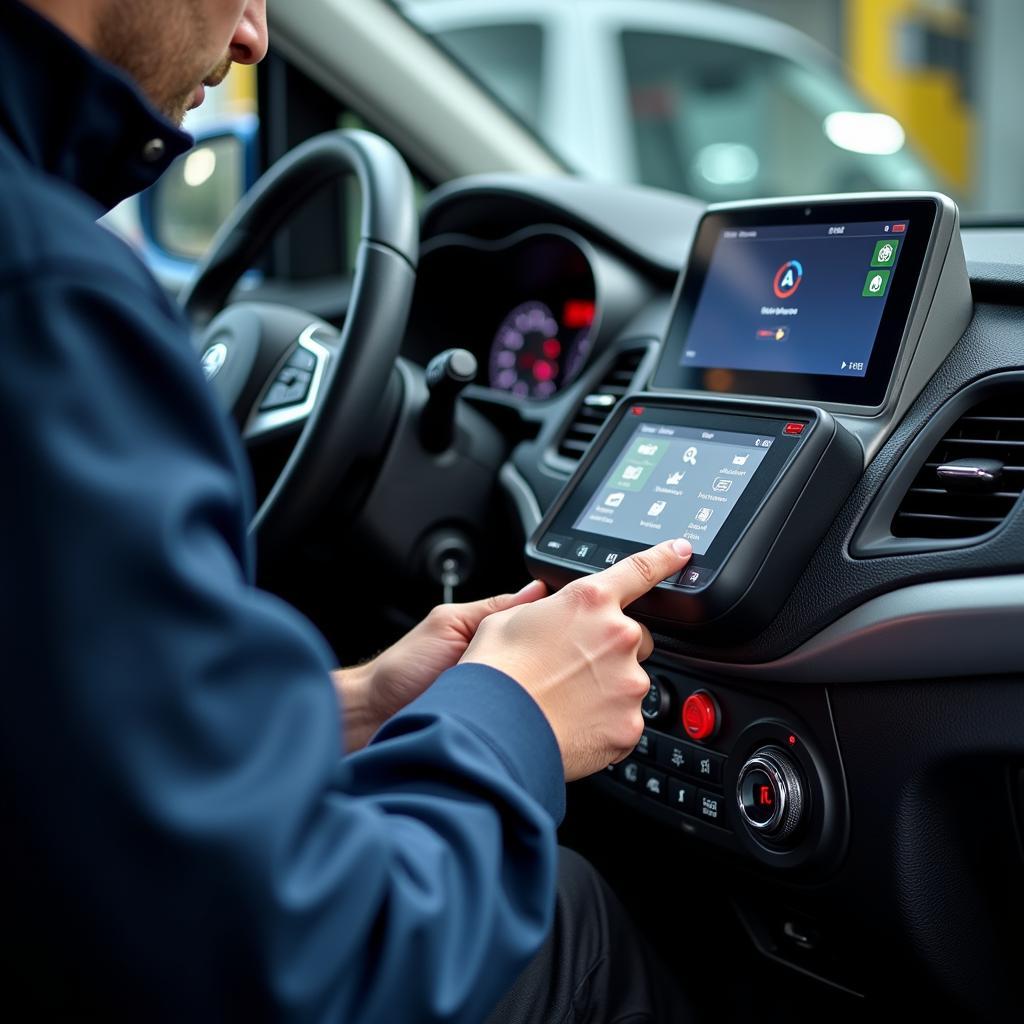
711 807
646 746
700 715
658 703
677 756
654 784
708 766
788 812
682 795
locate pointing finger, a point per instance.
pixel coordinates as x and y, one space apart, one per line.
632 577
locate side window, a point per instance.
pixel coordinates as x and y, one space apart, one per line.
198 195
508 59
207 183
722 121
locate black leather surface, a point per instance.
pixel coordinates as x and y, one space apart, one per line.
833 582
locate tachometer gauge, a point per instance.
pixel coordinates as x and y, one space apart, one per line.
534 354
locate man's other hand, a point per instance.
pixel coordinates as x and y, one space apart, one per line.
371 693
578 655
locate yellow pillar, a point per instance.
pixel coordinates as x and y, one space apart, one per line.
909 58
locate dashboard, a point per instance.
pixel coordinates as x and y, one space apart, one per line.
833 730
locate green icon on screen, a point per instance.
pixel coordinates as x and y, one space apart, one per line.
875 284
885 252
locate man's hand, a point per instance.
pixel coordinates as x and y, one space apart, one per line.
370 694
578 655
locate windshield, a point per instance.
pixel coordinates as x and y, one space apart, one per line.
751 98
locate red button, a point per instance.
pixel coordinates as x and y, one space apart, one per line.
793 428
700 718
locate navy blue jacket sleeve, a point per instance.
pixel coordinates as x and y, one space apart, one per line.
180 790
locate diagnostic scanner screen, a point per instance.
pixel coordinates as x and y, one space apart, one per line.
674 481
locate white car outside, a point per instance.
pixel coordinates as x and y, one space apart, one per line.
700 98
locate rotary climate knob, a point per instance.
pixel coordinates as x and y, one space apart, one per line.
770 795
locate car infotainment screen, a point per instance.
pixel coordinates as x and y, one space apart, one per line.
674 481
796 298
793 301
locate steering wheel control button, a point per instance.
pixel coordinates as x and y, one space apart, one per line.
700 715
711 807
770 795
677 756
655 784
682 795
630 773
291 387
657 703
302 359
708 765
276 398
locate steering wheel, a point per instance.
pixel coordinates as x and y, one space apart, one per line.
274 366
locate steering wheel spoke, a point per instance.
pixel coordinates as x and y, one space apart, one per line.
291 392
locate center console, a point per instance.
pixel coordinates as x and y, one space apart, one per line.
801 331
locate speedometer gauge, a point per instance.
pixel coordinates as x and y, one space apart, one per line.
534 354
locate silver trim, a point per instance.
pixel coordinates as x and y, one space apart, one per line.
260 423
522 496
979 471
448 124
771 770
936 630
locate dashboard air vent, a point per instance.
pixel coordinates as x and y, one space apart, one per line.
972 477
594 409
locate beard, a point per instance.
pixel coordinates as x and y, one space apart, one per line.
176 109
159 46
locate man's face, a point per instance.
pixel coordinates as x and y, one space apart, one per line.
174 49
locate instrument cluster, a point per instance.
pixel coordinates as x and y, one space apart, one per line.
525 306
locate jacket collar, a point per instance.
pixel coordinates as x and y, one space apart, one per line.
76 116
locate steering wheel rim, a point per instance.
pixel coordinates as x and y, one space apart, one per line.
354 366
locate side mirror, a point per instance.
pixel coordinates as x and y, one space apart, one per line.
183 211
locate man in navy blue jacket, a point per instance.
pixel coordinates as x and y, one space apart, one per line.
188 833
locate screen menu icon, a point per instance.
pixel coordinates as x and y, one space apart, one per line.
673 482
